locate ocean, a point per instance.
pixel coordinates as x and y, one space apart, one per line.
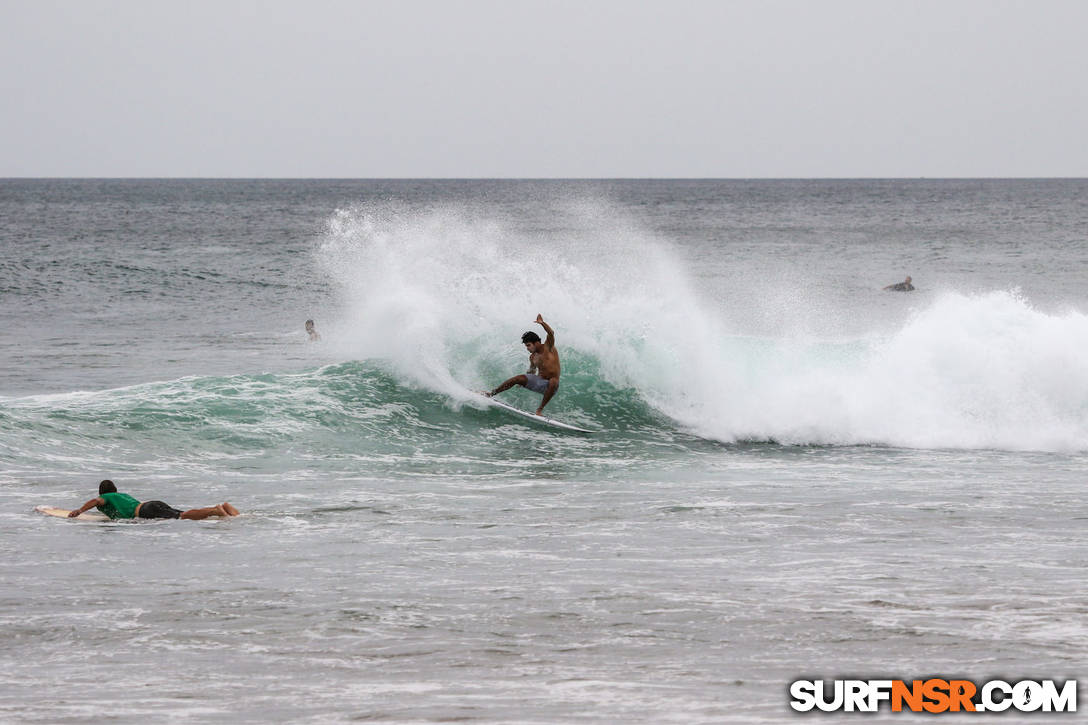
796 474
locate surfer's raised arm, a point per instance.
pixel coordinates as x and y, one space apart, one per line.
549 342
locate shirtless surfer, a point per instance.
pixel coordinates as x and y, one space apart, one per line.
543 373
900 286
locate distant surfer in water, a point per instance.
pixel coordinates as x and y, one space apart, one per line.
543 373
312 331
122 506
900 286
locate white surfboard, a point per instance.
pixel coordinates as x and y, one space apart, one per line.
63 514
539 419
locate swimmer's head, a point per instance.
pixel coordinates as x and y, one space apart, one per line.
106 487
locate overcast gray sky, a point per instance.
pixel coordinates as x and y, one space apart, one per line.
528 88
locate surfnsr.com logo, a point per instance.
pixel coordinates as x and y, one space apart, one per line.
933 696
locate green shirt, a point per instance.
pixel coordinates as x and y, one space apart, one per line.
118 505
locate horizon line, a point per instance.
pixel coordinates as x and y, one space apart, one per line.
543 178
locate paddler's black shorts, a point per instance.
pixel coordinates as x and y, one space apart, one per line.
158 510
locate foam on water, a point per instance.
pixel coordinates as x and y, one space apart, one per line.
967 371
442 294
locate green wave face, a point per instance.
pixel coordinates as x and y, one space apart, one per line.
349 416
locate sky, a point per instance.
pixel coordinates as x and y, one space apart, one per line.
544 88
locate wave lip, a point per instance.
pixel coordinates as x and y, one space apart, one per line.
970 372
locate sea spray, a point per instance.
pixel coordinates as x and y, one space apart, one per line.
441 295
444 297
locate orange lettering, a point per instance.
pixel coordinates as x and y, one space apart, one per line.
961 692
912 695
936 691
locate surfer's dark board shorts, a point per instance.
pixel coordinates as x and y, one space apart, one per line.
536 383
158 510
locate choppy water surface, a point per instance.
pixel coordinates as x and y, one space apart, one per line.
797 474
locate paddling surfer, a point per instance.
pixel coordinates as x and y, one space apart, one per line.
543 373
905 286
122 506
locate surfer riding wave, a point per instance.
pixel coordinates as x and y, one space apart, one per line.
543 373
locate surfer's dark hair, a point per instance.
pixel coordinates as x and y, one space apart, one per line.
107 487
530 336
